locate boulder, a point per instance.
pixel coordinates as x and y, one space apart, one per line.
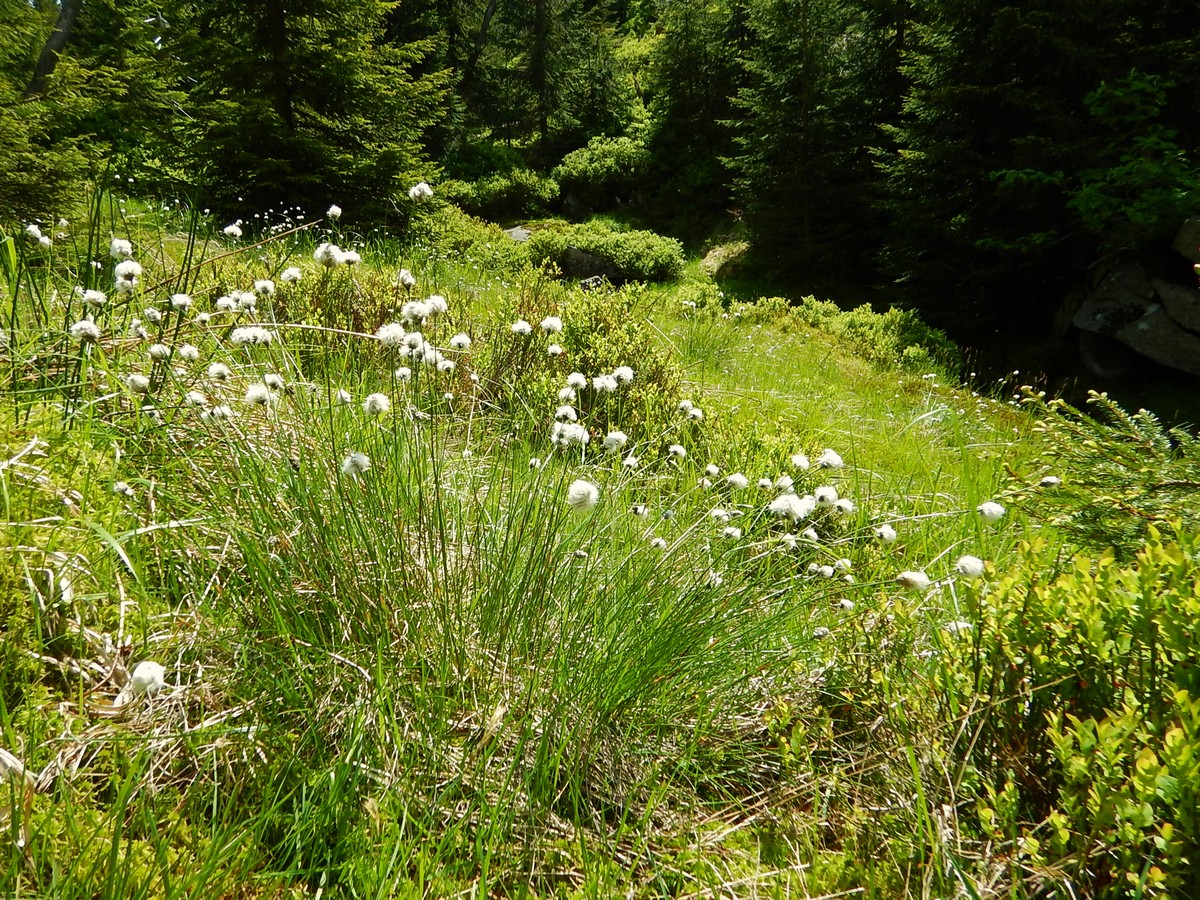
1157 336
518 233
1187 240
1181 303
1122 296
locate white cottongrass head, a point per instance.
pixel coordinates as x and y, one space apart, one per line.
1050 481
737 481
118 248
334 212
712 470
406 279
404 373
913 581
521 328
569 434
829 460
376 404
258 395
274 382
566 414
731 533
234 230
552 325
264 286
355 463
765 484
180 301
160 352
990 512
420 192
784 483
614 441
685 405
460 342
555 350
695 414
630 462
290 275
658 543
577 381
886 534
218 372
844 505
826 495
251 334
148 678
329 255
85 330
792 507
623 374
957 627
604 384
582 496
126 273
195 398
391 334
677 451
970 567
137 383
437 304
216 414
95 298
351 257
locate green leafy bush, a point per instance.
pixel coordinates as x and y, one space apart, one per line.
1082 696
633 255
607 169
520 192
897 335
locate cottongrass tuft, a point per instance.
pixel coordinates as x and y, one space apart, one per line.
85 330
119 248
566 414
623 374
460 342
521 328
800 462
630 462
406 279
913 581
180 301
376 404
264 286
604 384
251 334
218 372
582 496
391 334
970 567
677 451
826 495
886 534
577 381
160 352
737 481
1050 481
552 325
216 414
420 192
290 275
658 543
829 460
355 464
258 395
188 352
991 512
274 382
615 440
233 231
195 398
712 470
137 383
95 298
957 627
844 505
555 350
792 507
147 679
732 533
569 434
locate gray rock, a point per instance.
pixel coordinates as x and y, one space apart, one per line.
1182 303
1121 296
1187 240
518 233
1159 337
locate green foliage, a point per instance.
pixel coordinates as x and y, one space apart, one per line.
314 104
1082 696
1111 478
504 196
634 255
605 172
895 337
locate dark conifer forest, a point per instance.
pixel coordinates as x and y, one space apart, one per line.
976 161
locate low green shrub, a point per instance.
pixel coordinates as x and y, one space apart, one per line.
1081 694
507 195
605 171
632 255
897 335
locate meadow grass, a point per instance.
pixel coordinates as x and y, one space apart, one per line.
405 654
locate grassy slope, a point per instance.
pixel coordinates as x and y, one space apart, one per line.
433 677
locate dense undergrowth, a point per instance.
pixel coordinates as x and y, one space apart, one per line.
420 571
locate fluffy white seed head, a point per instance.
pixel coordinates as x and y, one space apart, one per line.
970 567
148 678
991 512
376 404
913 581
582 496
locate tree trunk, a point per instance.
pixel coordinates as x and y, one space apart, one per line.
53 47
